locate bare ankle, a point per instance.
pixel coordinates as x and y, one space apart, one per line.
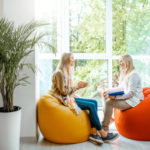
103 133
105 126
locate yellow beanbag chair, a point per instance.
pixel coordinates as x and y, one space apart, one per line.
59 124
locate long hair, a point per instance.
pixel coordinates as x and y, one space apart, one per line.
64 64
64 61
129 66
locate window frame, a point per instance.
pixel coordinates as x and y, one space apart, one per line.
63 42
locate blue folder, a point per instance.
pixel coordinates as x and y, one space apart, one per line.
116 93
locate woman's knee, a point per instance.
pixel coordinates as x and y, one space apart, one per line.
109 102
95 102
91 106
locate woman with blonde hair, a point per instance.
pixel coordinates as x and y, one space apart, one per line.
63 89
130 83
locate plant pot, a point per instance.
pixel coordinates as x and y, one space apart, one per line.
10 130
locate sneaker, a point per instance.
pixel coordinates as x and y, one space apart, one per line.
96 138
110 137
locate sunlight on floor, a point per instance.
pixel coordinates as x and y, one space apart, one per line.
121 143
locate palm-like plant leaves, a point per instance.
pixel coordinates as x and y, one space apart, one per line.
16 44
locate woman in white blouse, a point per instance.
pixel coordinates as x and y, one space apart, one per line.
130 82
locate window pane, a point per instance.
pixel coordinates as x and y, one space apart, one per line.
95 73
131 26
87 26
142 67
46 68
46 11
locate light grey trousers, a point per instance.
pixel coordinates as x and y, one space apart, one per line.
108 110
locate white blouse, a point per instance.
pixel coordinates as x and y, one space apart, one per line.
133 89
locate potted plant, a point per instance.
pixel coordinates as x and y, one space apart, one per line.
16 44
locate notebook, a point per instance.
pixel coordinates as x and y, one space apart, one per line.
116 93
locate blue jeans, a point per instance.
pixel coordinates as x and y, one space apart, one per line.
91 105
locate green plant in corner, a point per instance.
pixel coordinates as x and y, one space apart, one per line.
16 44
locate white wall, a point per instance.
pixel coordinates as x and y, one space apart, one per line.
0 17
22 11
1 8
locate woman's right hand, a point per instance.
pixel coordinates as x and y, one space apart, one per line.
105 93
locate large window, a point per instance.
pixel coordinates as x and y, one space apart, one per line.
46 12
131 34
87 26
97 32
131 26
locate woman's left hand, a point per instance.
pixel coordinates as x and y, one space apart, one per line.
112 97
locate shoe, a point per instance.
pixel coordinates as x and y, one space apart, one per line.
96 138
110 137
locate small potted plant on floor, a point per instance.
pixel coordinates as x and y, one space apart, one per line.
16 44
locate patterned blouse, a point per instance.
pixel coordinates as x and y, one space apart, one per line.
61 87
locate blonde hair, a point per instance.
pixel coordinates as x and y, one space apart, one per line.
129 66
64 61
64 65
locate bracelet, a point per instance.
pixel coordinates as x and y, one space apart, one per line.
77 89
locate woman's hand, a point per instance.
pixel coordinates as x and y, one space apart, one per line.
82 84
112 97
105 93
